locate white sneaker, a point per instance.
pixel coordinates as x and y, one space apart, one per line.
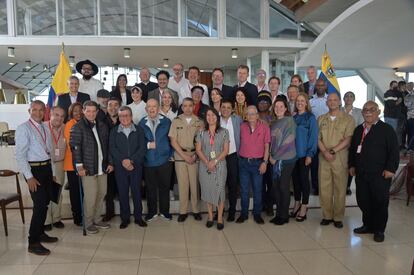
102 225
92 229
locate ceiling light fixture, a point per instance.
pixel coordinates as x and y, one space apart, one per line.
71 60
28 65
165 64
234 53
127 52
45 67
10 52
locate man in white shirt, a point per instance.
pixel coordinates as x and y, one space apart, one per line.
193 77
177 81
88 84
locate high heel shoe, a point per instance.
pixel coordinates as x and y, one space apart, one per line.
294 213
302 218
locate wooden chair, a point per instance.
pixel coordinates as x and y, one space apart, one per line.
7 198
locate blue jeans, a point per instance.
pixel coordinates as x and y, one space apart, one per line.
249 174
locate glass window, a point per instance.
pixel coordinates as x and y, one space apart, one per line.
282 66
159 17
199 18
280 26
78 17
243 18
119 17
36 17
355 84
3 17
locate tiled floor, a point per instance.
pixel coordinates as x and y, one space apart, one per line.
190 248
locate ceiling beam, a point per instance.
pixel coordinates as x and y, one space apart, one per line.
308 8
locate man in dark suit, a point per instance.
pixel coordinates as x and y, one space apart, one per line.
310 84
373 159
251 89
65 100
146 85
163 78
218 78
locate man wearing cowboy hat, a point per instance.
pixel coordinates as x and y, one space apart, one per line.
88 84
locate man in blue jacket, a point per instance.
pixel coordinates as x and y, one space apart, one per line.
157 165
128 151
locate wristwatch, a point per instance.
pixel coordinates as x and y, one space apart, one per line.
265 161
332 152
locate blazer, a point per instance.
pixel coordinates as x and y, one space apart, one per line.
155 94
226 91
236 121
64 101
252 93
117 94
146 89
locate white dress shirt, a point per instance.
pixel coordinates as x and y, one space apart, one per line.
100 154
229 126
90 87
138 111
176 86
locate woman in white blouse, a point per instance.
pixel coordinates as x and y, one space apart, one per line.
168 107
138 105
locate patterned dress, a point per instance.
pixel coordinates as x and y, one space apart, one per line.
213 184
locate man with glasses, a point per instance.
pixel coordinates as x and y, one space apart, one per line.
261 81
254 156
88 84
178 80
373 160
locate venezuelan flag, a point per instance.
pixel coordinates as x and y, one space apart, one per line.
328 74
59 83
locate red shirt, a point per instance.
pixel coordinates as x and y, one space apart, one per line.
252 143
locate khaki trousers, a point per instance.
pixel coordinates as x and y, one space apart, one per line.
333 179
94 190
54 210
187 182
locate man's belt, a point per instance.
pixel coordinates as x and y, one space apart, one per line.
188 151
252 159
39 163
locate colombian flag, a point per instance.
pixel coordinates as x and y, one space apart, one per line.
59 83
328 74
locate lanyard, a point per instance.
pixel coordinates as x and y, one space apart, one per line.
364 133
40 134
53 134
211 139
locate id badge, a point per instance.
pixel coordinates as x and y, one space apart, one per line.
359 149
57 153
212 154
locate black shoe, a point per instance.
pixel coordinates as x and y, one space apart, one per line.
38 249
47 239
220 226
150 217
141 223
209 224
197 216
166 216
258 219
348 192
379 237
182 217
231 217
47 227
362 230
294 213
108 217
300 218
338 224
281 221
59 224
325 222
241 219
124 225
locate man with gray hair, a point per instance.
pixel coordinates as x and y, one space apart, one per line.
146 84
311 83
254 156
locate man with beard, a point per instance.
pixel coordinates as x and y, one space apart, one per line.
88 84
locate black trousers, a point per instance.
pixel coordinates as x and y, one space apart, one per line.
232 182
373 194
41 199
281 190
300 178
267 192
158 181
74 196
349 181
111 192
314 172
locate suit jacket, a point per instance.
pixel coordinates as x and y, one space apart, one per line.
117 94
227 91
64 101
146 89
306 88
155 94
236 121
252 93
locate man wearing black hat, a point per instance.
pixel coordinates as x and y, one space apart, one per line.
88 84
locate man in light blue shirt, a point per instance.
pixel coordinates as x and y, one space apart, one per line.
33 149
318 101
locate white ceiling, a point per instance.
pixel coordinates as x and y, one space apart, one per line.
328 11
370 34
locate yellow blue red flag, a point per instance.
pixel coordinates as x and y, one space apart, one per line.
328 74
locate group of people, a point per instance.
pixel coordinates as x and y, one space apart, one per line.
247 138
